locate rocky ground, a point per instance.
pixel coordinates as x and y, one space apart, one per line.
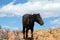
52 34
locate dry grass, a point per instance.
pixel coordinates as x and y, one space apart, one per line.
52 34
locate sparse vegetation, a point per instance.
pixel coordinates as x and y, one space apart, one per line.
52 34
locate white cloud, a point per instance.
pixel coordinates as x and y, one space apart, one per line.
45 0
37 0
54 27
56 21
45 8
1 15
4 27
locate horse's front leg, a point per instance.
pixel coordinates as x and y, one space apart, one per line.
23 32
32 33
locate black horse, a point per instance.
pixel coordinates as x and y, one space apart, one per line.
28 23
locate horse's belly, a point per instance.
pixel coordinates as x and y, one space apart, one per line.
29 27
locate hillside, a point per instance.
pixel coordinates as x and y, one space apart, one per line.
52 34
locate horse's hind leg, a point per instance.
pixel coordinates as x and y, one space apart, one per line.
26 33
23 32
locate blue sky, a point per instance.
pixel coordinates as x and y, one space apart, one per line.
11 12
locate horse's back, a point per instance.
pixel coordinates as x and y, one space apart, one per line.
25 19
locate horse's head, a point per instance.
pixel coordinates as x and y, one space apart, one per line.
38 19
